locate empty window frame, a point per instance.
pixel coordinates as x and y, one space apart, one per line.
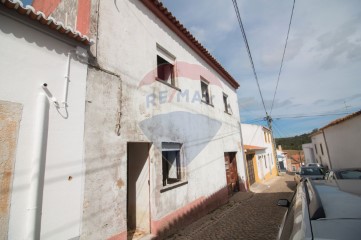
171 163
225 103
165 66
205 91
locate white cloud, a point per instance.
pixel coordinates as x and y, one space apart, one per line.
322 66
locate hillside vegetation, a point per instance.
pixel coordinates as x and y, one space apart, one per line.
294 143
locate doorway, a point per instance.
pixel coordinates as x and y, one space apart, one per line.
231 172
138 210
250 167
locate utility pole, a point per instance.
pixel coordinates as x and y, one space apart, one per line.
269 122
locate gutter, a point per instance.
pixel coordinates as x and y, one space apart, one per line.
37 169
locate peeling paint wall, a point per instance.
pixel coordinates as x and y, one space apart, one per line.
73 13
66 12
10 116
104 208
205 132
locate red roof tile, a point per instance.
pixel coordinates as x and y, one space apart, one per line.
49 22
340 120
250 147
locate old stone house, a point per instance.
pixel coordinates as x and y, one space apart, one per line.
148 137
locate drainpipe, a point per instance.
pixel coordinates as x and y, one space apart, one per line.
37 169
66 81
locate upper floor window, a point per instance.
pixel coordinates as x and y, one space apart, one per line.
225 103
316 149
165 66
205 91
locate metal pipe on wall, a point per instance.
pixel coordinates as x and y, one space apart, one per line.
66 82
37 168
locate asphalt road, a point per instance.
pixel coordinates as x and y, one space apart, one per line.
250 215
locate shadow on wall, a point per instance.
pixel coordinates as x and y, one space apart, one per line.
32 36
194 130
188 214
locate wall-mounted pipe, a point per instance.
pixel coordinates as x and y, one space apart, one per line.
37 168
66 81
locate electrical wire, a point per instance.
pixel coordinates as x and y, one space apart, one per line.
307 116
283 56
248 51
299 116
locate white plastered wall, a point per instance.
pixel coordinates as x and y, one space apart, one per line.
138 32
343 141
254 135
30 58
320 157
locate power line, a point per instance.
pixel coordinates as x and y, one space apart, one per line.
283 56
299 116
316 115
248 50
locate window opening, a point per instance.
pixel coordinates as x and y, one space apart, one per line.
171 163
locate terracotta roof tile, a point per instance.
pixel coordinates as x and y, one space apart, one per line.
50 22
250 147
340 120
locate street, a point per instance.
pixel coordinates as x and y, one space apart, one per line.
248 215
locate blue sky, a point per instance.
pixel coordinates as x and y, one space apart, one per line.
322 68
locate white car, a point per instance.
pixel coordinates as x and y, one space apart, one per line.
323 210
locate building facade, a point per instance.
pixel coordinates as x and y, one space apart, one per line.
149 139
261 163
308 150
336 144
43 75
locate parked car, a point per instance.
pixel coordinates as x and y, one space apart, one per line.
314 165
315 173
323 209
345 173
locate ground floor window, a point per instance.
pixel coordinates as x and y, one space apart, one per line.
171 163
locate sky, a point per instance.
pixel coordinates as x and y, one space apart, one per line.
321 73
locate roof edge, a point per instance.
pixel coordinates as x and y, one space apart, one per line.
341 120
170 21
49 22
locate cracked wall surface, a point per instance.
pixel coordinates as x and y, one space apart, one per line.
10 116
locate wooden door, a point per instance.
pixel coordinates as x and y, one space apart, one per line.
231 172
250 168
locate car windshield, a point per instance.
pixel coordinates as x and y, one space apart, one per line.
311 171
350 174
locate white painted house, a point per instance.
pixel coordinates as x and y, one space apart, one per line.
337 144
136 135
42 102
281 158
308 150
261 163
162 132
